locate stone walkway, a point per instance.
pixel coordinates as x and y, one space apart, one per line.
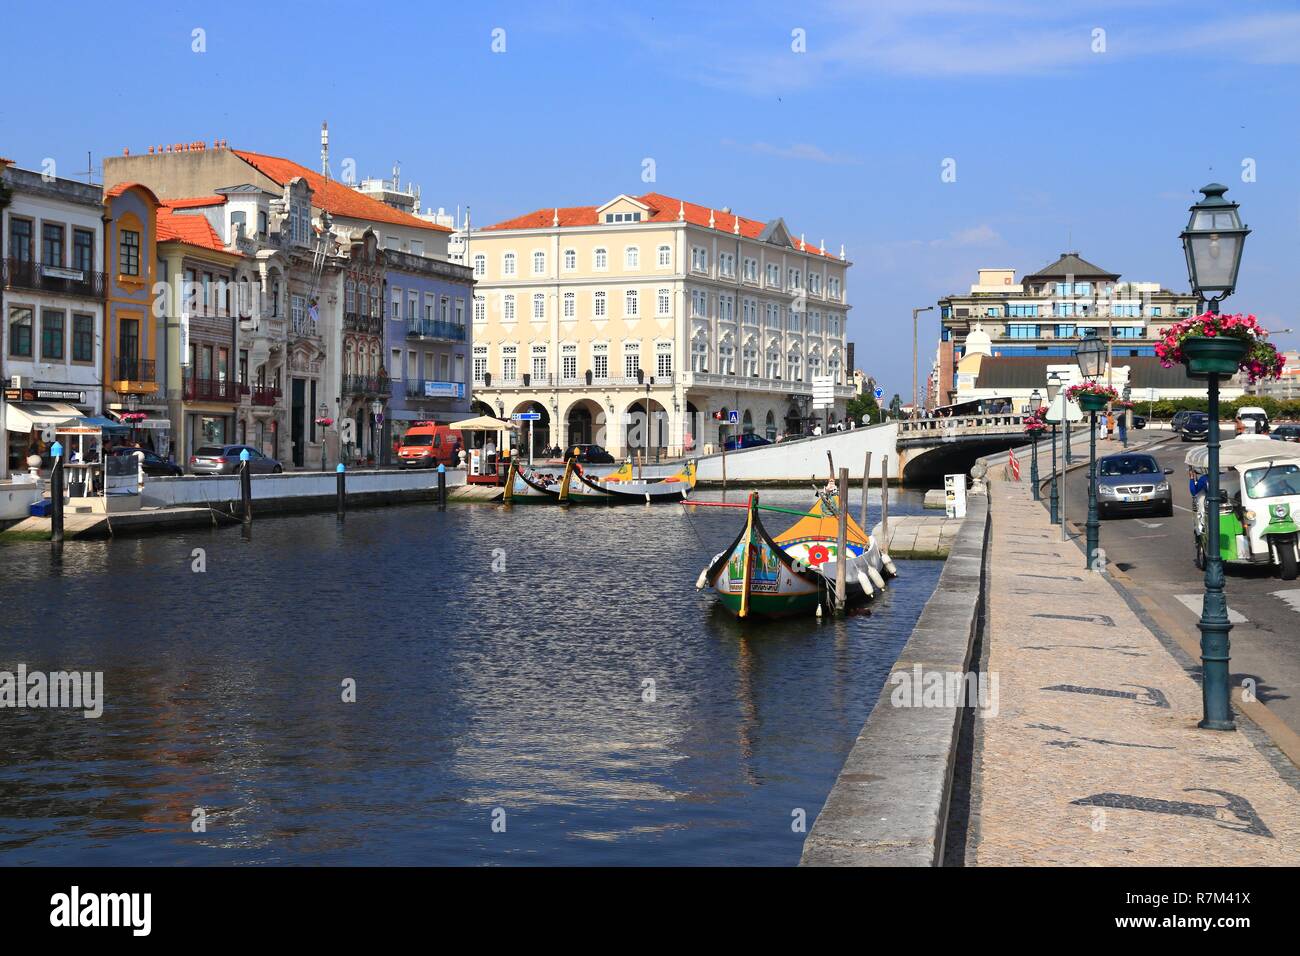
919 536
1093 757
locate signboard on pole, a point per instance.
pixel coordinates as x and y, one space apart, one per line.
527 416
823 391
733 417
954 495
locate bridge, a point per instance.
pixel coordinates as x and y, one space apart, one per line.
921 451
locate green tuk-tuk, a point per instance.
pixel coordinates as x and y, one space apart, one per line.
1259 504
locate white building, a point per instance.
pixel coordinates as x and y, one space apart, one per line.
51 349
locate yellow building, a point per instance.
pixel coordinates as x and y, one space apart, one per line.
589 314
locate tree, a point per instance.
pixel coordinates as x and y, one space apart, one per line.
864 409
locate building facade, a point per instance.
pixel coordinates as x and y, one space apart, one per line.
627 324
52 288
1047 312
428 341
135 337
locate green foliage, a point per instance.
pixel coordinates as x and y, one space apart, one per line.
863 408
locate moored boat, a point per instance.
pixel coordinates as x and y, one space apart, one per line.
760 576
622 488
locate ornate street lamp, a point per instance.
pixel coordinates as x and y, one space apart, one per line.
1212 243
1035 403
1091 356
1054 381
321 413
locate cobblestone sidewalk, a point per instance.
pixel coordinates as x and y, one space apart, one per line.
1094 756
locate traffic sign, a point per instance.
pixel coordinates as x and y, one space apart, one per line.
733 417
880 393
527 416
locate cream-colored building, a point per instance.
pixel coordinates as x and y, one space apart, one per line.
584 314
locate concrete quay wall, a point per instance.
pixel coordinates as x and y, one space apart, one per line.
889 805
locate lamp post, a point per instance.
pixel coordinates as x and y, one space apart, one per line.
321 413
1212 243
1090 354
376 420
915 313
1036 402
1053 389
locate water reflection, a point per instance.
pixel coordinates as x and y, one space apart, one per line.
519 688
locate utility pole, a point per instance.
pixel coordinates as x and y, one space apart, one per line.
915 313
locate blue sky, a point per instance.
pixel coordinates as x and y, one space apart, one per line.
1056 146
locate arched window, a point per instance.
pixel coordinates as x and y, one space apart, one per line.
570 259
480 266
539 263
600 259
350 296
632 257
376 303
747 423
508 264
770 427
665 257
700 354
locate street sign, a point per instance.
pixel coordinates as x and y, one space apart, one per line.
823 391
880 393
733 417
527 416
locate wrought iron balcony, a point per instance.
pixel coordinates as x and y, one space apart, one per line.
132 369
432 329
265 394
358 322
24 274
208 390
367 385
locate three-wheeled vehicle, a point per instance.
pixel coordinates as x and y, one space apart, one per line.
1259 507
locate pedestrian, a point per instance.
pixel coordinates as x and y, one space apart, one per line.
1123 425
817 430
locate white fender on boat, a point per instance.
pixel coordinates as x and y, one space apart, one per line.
888 565
876 579
702 580
819 607
866 585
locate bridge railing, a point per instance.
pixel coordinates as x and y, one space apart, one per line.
960 425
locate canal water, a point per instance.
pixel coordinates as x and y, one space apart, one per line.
503 710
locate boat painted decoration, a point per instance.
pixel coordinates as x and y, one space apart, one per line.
759 576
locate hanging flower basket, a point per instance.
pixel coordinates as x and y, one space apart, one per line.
132 418
1091 396
324 422
1212 344
1035 422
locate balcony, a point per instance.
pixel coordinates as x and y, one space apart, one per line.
22 274
265 395
133 375
369 324
432 329
208 389
367 385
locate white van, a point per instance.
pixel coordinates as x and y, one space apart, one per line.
1252 420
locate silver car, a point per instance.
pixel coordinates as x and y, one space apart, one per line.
1131 483
224 460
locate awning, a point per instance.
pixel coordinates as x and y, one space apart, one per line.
157 424
90 425
484 423
26 417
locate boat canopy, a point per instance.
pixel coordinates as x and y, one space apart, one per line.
1239 451
819 523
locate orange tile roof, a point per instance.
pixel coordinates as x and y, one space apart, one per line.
662 209
123 187
193 230
333 197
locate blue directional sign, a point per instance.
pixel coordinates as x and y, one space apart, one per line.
880 393
733 417
527 416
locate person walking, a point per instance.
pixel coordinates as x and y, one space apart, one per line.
1123 425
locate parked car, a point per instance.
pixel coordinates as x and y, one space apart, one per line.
224 460
1133 482
1195 427
590 455
1139 421
1176 423
425 445
748 440
1252 420
155 466
1289 431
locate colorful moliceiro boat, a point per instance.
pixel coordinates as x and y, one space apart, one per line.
574 486
794 573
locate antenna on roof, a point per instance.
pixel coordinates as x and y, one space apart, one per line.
325 150
89 170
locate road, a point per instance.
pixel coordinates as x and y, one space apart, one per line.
1153 558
